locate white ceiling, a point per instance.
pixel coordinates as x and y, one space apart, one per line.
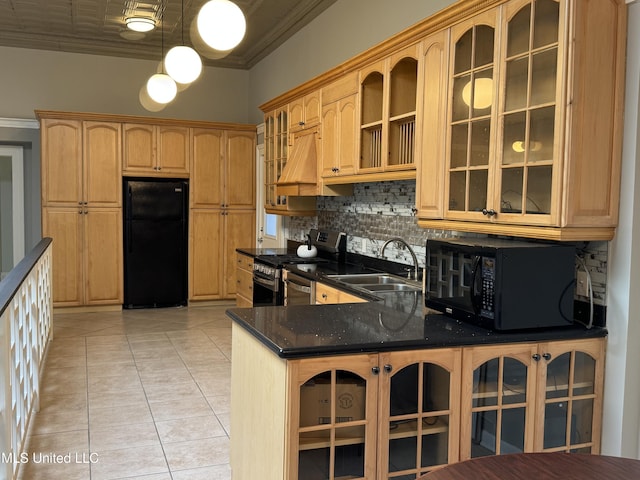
94 26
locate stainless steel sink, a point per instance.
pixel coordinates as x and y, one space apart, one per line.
367 279
392 287
378 282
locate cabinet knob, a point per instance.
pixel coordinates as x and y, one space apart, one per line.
375 370
388 368
489 213
536 357
546 356
324 296
301 124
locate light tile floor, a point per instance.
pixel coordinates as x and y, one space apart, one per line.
137 394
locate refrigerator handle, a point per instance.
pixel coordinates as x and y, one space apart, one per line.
127 223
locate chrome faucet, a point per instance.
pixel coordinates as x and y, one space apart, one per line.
413 254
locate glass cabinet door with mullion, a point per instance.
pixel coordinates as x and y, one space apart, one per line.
419 412
527 178
571 398
334 435
372 128
471 119
281 150
269 165
498 401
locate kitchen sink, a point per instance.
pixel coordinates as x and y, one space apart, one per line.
378 282
392 287
368 279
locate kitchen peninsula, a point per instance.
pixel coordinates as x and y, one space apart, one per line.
369 390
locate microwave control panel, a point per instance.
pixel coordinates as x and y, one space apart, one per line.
488 278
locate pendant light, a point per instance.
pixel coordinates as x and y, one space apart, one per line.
160 86
221 24
182 63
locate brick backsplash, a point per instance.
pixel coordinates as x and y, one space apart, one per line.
379 211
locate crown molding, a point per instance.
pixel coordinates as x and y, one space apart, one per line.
19 123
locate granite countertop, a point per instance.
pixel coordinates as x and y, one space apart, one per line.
388 321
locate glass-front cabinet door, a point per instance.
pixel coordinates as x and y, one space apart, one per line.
276 144
498 400
334 436
570 394
526 184
503 120
471 117
419 412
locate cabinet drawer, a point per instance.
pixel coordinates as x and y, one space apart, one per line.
245 283
327 295
245 262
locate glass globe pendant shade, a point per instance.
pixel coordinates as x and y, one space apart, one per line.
147 102
161 88
221 24
183 64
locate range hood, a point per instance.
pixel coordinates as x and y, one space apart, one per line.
300 174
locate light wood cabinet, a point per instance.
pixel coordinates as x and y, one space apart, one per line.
410 412
532 398
326 294
363 416
81 200
155 150
529 150
276 153
339 134
87 249
304 112
388 112
244 273
222 215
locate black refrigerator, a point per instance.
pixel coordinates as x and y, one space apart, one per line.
155 242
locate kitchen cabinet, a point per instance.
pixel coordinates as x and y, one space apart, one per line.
304 112
326 294
244 273
155 150
532 398
222 214
87 255
533 124
362 416
81 200
388 112
276 152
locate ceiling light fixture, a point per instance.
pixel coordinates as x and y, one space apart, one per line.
140 24
221 24
182 63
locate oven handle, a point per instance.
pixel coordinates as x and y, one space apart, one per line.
298 287
270 284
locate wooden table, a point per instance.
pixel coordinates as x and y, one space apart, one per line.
540 466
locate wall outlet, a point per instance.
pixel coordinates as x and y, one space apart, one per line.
364 245
582 284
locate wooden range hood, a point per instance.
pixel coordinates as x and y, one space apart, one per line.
300 174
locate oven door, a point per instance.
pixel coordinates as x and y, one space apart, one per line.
266 291
298 290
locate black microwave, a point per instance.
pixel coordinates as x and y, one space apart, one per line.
501 284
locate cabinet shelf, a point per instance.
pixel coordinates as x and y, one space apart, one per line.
404 429
554 388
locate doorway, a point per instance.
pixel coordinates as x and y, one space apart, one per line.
11 207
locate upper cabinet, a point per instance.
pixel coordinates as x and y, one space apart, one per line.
388 105
155 150
533 122
304 112
276 153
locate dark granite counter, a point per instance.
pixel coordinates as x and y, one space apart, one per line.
388 321
311 330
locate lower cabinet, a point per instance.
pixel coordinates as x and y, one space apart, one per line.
532 398
326 295
87 255
401 414
214 236
244 274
